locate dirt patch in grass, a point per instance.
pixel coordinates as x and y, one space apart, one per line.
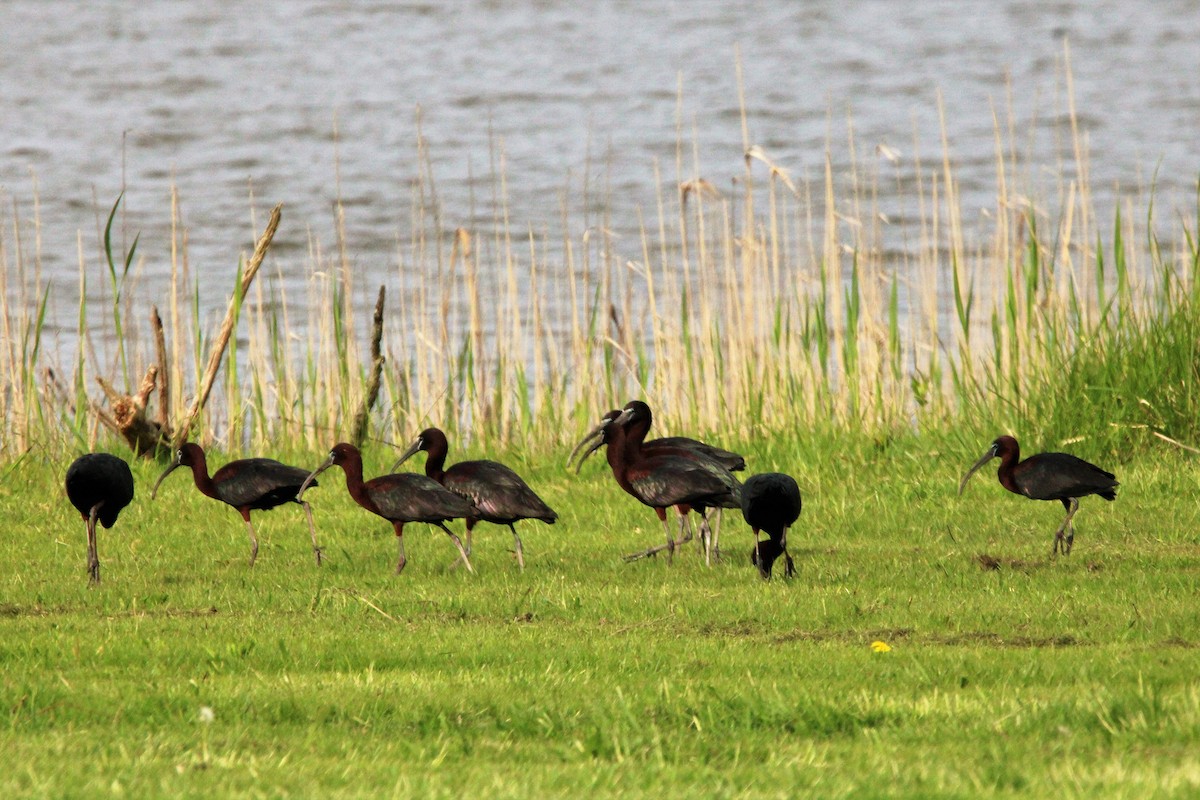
14 610
999 640
866 637
894 635
992 563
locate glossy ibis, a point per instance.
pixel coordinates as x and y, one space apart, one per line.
637 418
248 484
499 493
399 498
606 435
666 478
1047 476
99 485
771 504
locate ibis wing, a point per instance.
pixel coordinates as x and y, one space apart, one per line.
258 482
410 497
771 501
666 482
100 478
726 458
497 491
1055 476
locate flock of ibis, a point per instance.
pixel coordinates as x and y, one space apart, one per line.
667 473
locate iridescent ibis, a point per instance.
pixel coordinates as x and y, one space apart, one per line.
99 485
399 498
636 418
662 479
1047 476
771 504
247 484
500 494
604 435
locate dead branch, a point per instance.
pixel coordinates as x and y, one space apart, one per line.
364 412
164 374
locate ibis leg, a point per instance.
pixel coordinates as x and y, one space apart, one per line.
790 565
671 543
467 545
706 538
1062 541
758 562
458 543
92 557
312 530
685 529
253 538
716 535
402 560
517 542
662 515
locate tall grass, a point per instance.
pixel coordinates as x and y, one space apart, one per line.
780 308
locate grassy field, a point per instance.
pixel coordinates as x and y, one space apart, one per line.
187 674
929 646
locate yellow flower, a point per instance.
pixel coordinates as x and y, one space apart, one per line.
881 647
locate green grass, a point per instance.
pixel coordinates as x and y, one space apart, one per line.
1072 677
775 316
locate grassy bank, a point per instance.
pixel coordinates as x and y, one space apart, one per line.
779 319
1025 675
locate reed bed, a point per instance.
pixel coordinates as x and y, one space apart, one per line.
794 303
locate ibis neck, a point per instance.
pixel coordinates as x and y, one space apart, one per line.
619 458
635 435
435 461
200 476
354 482
1008 465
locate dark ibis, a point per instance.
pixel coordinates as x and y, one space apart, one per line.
666 478
771 504
99 485
399 498
637 418
604 435
1048 476
247 484
500 494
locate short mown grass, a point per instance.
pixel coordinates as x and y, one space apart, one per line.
1010 672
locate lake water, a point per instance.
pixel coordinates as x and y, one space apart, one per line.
288 101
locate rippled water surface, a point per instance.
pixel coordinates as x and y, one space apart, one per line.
292 99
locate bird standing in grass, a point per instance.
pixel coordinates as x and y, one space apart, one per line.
1047 476
499 493
99 485
248 484
606 435
636 418
400 498
663 478
771 504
